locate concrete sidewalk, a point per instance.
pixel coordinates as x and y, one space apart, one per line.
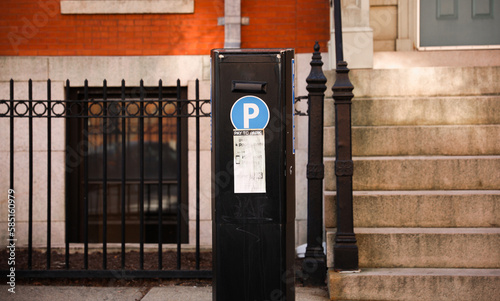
163 293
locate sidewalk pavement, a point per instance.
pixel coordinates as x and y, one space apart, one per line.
161 293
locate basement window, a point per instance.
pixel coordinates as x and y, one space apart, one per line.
127 6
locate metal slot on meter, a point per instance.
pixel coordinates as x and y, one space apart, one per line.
246 86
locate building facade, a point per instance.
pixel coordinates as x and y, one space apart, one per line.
137 40
411 63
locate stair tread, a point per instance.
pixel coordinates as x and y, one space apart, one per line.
426 110
420 192
415 284
427 272
441 157
404 158
424 97
394 230
421 126
423 81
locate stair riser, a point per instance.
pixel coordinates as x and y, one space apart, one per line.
425 250
421 173
431 81
424 210
394 286
419 140
420 111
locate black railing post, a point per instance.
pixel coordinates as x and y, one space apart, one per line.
30 174
86 176
179 178
345 249
124 173
197 174
68 177
49 172
105 129
314 265
160 175
141 175
11 109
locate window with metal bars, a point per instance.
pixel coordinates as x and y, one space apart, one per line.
108 177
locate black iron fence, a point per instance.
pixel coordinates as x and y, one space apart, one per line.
125 179
123 200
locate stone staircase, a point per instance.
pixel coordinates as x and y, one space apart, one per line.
426 147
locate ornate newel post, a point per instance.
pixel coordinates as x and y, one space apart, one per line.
345 249
315 262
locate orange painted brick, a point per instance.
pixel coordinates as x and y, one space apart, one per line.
278 23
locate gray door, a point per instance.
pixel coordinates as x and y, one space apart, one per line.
459 22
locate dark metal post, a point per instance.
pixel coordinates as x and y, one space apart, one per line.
345 250
86 177
141 176
314 266
124 173
66 199
30 175
12 109
105 175
197 174
160 175
49 171
179 178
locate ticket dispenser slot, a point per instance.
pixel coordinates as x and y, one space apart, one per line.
253 184
247 86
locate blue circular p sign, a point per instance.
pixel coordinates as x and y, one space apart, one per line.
249 112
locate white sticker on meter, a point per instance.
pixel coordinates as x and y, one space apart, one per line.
249 161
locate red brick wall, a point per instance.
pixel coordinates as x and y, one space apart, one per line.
286 23
36 27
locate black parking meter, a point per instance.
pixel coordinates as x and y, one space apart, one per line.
253 175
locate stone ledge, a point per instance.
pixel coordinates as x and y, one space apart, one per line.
421 173
127 6
424 81
415 284
449 140
425 247
442 208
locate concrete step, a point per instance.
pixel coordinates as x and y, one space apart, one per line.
421 173
410 59
416 284
425 247
420 110
443 208
454 140
424 81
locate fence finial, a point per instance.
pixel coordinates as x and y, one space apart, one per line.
316 80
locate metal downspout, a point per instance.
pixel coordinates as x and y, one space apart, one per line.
232 23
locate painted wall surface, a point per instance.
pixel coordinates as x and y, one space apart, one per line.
36 28
283 23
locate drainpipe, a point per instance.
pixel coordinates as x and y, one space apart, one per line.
232 23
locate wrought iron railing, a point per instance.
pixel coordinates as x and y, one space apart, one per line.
105 125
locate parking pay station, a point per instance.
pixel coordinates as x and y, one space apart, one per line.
253 173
